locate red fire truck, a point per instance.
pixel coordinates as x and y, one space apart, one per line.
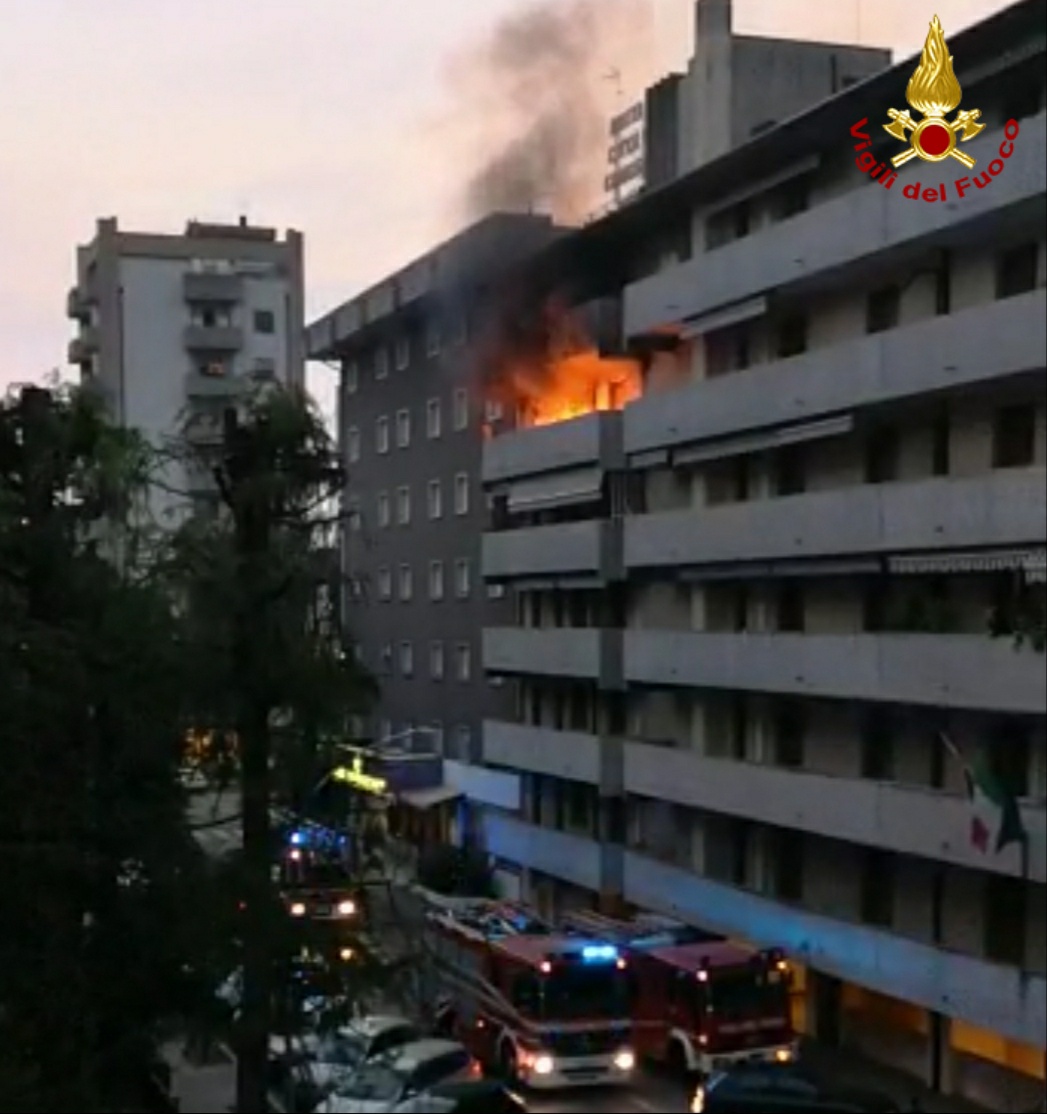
547 1010
700 1001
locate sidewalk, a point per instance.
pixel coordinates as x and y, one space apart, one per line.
205 1088
854 1070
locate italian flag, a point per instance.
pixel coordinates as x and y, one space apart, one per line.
996 821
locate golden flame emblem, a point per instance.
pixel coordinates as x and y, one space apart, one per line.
933 91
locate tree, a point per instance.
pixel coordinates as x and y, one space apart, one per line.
271 669
94 853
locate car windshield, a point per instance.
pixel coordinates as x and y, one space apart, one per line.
374 1082
748 993
582 992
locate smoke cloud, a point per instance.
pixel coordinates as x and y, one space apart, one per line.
533 100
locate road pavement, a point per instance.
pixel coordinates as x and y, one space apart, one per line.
648 1096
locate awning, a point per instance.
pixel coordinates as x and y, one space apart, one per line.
423 799
562 489
794 567
1033 562
724 317
763 441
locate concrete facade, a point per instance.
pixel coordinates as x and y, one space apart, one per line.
410 427
172 328
830 491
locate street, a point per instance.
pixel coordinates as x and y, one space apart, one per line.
651 1095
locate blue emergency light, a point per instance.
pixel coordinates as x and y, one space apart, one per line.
599 953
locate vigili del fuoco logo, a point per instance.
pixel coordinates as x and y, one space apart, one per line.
933 92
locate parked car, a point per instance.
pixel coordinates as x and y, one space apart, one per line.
486 1096
403 1080
305 1068
780 1088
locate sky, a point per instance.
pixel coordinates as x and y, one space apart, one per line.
330 116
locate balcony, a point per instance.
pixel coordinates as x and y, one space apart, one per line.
77 304
483 786
202 287
579 860
590 550
569 755
972 672
974 347
907 820
213 338
585 652
982 993
1003 509
592 441
199 385
868 226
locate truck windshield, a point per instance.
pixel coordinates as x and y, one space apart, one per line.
748 993
577 993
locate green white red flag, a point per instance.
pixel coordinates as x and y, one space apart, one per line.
996 820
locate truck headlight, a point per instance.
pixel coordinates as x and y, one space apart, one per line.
625 1060
346 908
543 1065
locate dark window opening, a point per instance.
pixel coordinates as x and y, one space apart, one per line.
741 598
790 471
1006 919
943 285
883 309
941 450
878 889
1016 270
791 609
264 321
792 337
789 864
875 601
791 198
877 748
789 731
1014 437
1023 100
739 729
882 451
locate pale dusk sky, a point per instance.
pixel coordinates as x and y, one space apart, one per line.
321 115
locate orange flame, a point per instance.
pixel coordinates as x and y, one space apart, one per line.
933 88
567 379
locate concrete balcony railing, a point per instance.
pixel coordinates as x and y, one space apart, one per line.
584 652
213 338
986 994
578 860
198 385
949 671
1002 509
77 304
594 440
220 289
907 820
865 226
568 755
975 346
572 549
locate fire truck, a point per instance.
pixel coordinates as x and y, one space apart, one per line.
316 882
547 1010
700 1002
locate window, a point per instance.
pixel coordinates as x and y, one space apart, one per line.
882 310
877 889
1023 99
213 369
381 435
436 580
433 418
882 451
792 337
461 410
432 339
403 506
461 493
789 871
264 321
407 659
436 499
875 599
1006 918
352 444
436 733
403 353
791 607
387 667
1016 271
463 741
436 661
877 748
1014 437
943 285
463 579
739 735
403 429
351 376
941 444
385 513
792 197
790 471
406 583
463 658
496 591
789 732
385 583
381 363
352 510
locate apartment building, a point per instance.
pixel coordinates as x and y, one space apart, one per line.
751 608
411 426
172 328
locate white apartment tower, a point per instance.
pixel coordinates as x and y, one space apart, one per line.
751 606
174 328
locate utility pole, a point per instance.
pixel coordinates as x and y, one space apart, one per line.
248 500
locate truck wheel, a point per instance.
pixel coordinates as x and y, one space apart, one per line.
677 1061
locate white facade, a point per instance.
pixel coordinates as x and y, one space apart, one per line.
750 606
174 328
